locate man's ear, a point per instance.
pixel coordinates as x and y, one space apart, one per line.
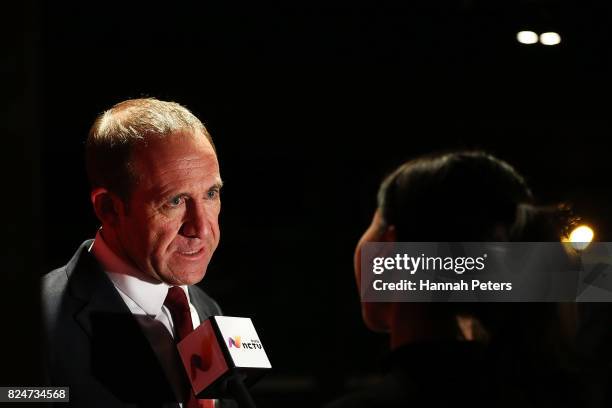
108 206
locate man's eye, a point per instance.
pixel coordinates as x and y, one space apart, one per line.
176 201
212 194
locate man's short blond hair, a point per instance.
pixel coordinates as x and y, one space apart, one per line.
116 131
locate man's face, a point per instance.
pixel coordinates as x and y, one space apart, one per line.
170 228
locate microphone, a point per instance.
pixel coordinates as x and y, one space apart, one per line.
222 357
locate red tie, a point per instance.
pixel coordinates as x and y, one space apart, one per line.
176 302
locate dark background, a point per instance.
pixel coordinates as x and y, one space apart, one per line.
310 104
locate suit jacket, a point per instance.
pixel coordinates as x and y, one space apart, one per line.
94 344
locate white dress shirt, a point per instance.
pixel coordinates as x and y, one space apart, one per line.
145 297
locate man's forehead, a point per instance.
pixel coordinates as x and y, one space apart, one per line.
180 149
176 156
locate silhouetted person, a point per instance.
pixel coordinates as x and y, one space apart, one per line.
466 354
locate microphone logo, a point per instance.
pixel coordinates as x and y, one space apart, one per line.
234 342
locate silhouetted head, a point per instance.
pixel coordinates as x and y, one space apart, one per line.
454 197
464 196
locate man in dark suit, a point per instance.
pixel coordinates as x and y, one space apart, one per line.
114 313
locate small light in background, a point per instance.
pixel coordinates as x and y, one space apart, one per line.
527 37
581 237
550 38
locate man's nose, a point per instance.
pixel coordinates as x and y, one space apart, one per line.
195 222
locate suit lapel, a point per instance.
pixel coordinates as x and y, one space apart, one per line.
89 283
196 303
204 305
120 355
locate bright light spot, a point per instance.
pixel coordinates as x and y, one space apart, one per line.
527 37
550 38
581 237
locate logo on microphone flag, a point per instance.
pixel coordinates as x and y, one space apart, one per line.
234 341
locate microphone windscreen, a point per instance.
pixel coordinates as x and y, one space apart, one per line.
221 347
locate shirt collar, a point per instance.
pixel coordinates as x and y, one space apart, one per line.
147 293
